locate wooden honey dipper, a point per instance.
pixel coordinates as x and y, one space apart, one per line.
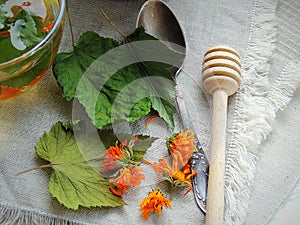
221 77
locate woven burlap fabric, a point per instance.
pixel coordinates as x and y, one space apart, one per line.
266 32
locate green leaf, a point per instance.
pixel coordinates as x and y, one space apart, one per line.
68 68
141 146
26 31
165 109
10 51
109 89
73 181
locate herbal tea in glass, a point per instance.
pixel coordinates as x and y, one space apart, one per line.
30 33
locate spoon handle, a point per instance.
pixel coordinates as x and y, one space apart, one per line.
198 161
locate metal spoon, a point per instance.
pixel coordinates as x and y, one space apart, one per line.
159 21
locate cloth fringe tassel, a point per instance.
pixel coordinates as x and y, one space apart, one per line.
14 216
256 107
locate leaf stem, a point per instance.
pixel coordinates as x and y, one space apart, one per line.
35 168
112 24
70 24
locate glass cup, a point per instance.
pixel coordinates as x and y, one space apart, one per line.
25 70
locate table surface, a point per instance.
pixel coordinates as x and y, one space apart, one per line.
262 168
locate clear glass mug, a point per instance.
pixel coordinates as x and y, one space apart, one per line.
25 70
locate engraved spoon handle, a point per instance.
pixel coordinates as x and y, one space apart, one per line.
198 160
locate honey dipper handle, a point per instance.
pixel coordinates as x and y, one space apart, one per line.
221 76
215 195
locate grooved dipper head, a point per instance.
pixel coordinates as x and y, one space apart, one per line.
221 70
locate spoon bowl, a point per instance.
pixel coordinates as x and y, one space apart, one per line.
159 21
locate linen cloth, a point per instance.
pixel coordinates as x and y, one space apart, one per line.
263 154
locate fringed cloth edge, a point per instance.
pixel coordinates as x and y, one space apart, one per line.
10 215
256 107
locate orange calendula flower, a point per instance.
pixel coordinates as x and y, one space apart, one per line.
112 156
155 201
175 175
118 156
184 175
181 147
130 176
162 167
118 190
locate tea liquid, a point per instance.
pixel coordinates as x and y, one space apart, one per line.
23 24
